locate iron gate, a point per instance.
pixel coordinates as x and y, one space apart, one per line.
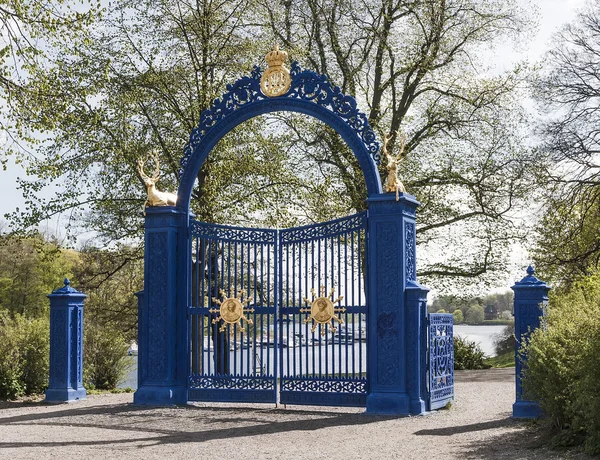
279 314
441 360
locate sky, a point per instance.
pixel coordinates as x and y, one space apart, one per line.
552 14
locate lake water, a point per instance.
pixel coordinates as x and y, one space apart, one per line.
483 335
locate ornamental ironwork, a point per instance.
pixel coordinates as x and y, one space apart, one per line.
441 359
305 85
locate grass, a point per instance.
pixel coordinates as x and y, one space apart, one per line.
505 360
114 391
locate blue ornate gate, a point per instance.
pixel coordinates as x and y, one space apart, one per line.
287 289
284 305
441 360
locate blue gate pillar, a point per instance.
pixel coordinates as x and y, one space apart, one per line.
531 295
66 345
162 320
397 312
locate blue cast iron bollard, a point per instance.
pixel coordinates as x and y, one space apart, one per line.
66 345
530 295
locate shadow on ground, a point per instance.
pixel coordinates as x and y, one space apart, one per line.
198 424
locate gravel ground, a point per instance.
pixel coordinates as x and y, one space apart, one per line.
477 426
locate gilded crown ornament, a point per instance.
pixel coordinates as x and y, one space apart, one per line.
393 183
323 311
231 311
276 80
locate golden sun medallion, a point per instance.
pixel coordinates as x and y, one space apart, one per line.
231 311
323 311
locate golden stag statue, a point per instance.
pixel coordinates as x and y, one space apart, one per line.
393 183
155 197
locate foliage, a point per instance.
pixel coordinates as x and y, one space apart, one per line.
563 364
568 90
31 268
105 357
109 277
139 81
468 354
507 359
505 341
474 315
501 301
458 317
25 348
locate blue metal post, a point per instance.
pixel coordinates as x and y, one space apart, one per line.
162 328
396 309
66 345
530 295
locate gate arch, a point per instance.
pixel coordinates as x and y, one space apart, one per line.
310 94
397 323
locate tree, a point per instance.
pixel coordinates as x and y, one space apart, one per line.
31 268
414 64
569 90
458 316
109 277
141 80
474 314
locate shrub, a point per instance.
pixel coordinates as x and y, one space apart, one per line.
105 357
458 316
468 355
474 315
24 348
563 365
505 341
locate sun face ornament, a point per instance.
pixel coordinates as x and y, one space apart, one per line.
323 311
231 311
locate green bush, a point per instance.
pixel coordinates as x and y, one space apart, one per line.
458 317
474 315
563 365
105 357
468 355
505 341
24 352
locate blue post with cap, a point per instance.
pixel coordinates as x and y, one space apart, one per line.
531 295
66 345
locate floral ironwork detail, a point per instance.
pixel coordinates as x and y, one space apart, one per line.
441 359
231 383
410 252
306 85
326 229
230 233
333 385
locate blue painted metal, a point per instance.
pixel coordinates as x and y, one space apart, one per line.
531 296
396 309
277 270
324 367
241 367
441 360
187 263
162 325
66 345
309 93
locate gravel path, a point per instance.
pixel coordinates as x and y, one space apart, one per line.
478 426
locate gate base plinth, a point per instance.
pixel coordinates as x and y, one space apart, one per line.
61 395
527 409
160 396
390 404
